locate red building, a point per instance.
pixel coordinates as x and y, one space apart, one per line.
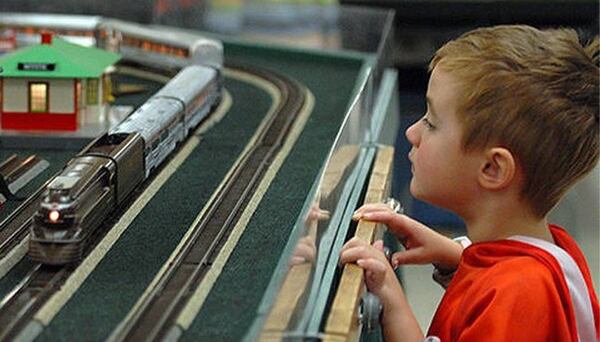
54 86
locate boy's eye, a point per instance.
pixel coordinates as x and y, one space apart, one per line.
427 123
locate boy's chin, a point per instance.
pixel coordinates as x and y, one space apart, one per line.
421 195
416 192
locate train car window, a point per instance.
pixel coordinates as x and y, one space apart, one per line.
198 102
127 41
155 144
164 135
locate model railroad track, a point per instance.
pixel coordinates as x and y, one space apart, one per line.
16 172
41 282
15 227
19 306
155 318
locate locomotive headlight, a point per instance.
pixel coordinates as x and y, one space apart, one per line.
53 216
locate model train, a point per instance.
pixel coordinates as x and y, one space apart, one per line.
105 173
27 27
153 46
158 47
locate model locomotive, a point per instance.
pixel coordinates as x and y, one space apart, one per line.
105 173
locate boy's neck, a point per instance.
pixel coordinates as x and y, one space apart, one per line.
496 224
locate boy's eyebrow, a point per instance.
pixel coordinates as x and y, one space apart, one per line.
430 106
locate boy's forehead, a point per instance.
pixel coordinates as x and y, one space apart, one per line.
442 87
440 78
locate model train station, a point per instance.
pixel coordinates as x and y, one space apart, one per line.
54 86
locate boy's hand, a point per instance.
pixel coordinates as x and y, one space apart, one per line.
378 271
423 245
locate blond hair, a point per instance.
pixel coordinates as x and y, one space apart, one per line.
534 92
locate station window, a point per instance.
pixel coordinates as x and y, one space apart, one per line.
38 97
91 91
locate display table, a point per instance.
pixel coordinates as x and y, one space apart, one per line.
344 84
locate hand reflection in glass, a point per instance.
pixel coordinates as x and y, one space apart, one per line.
306 249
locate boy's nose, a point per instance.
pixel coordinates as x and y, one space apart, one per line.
412 134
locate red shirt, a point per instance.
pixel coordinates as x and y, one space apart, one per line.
513 291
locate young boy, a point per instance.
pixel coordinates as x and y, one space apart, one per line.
512 123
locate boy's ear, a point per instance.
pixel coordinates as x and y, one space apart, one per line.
498 169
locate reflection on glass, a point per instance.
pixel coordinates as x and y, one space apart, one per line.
300 290
306 249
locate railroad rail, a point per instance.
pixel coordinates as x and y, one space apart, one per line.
21 304
154 319
16 172
27 297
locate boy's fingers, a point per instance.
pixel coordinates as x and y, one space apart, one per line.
397 223
372 265
373 206
378 245
352 243
370 208
361 251
411 256
354 253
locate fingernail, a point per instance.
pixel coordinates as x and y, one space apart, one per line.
360 262
356 216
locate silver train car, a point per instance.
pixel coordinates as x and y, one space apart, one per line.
152 46
167 117
97 181
159 46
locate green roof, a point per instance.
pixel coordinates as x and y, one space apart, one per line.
69 61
